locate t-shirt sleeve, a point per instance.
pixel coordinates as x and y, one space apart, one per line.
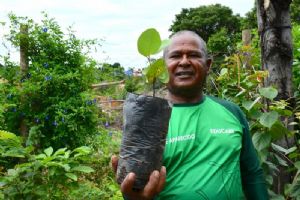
253 181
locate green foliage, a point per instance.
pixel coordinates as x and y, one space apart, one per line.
295 11
52 97
250 19
221 44
109 72
296 54
150 43
207 20
268 117
83 173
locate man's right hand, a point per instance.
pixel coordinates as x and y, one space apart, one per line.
154 186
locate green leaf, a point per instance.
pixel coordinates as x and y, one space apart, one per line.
83 150
149 42
290 150
268 119
60 151
40 156
164 44
281 161
279 148
261 140
268 92
223 71
85 169
157 70
71 176
249 104
297 165
48 151
66 167
278 130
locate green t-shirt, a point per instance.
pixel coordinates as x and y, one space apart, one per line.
209 154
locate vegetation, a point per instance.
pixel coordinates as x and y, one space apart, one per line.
66 151
210 22
150 43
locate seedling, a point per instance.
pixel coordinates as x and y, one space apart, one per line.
149 44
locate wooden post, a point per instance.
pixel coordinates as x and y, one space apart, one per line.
24 68
246 38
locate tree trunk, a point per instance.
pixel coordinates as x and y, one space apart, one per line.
274 26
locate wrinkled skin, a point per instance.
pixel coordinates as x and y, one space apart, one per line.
187 67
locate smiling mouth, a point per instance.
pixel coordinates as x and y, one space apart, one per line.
183 74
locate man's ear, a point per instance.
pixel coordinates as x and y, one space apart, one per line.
208 65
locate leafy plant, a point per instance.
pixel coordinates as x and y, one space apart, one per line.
52 98
268 117
149 43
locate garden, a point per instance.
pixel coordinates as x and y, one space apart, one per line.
57 138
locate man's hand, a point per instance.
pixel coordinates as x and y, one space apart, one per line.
153 187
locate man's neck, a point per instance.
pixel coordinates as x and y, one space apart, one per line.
176 99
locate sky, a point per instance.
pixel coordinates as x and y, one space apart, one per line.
118 23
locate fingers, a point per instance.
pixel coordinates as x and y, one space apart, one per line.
126 186
162 179
150 188
153 187
114 163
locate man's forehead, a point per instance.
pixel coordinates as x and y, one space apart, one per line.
185 39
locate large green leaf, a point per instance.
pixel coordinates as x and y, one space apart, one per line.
85 169
268 119
261 140
249 104
278 130
268 92
149 42
71 176
48 151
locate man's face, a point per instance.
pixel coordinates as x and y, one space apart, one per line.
186 64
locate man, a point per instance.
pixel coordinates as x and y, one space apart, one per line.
209 153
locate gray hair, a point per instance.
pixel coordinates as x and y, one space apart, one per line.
202 42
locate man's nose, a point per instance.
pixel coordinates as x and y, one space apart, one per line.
184 61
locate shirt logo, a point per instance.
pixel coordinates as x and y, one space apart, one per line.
180 138
221 130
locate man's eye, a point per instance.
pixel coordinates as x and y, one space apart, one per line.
175 56
195 55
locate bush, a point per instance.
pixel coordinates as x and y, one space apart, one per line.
52 98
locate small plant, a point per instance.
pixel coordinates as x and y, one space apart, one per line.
149 44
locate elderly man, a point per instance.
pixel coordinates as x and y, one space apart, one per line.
216 159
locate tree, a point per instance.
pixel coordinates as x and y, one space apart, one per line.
207 20
274 26
216 24
250 19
